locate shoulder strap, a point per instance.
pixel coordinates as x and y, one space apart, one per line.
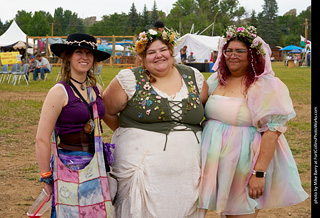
82 98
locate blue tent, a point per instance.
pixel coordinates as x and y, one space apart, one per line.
291 47
295 51
104 48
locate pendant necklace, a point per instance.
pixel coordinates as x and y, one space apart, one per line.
81 83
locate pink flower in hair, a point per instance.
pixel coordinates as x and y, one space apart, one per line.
240 29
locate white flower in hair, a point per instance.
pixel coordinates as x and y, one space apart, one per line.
255 43
153 32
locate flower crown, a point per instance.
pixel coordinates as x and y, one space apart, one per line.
145 37
248 33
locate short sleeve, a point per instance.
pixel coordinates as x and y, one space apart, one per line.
270 104
212 83
199 78
127 81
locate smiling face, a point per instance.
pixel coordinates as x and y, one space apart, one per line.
81 61
237 62
158 57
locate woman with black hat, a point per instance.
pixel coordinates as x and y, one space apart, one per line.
77 176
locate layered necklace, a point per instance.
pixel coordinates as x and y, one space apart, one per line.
81 83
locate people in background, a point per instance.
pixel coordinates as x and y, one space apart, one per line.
183 54
43 66
191 57
158 26
32 65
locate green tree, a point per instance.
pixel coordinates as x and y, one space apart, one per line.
57 22
202 13
23 19
145 22
133 20
114 24
154 14
39 25
253 19
268 27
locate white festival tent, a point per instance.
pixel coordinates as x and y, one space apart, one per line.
13 35
200 45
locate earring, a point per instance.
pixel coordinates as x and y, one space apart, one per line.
68 67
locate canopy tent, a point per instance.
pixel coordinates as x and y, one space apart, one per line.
295 51
105 48
13 35
201 46
17 45
291 47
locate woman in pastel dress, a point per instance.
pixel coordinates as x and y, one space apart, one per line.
247 164
157 133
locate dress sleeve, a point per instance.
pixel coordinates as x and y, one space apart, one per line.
127 81
270 104
212 83
199 78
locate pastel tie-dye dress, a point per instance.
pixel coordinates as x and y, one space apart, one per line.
230 147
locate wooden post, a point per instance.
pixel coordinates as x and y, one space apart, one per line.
306 40
306 30
113 49
47 44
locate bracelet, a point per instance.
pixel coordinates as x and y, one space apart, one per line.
48 180
43 175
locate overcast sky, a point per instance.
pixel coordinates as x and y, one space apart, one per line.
98 8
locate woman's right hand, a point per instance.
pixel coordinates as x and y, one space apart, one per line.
48 189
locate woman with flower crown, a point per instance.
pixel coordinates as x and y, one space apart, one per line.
247 164
157 132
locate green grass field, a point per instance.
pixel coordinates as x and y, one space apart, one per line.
297 79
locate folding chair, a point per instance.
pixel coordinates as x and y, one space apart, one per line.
50 72
19 74
4 72
15 69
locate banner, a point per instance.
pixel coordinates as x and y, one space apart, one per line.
10 57
303 41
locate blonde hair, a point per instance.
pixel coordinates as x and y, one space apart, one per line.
66 72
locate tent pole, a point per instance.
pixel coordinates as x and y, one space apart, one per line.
27 46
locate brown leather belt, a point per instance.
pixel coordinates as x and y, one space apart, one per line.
79 141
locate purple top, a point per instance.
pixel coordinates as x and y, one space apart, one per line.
75 114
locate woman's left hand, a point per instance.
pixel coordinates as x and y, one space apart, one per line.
256 187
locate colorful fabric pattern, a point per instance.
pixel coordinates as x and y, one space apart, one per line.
85 192
231 144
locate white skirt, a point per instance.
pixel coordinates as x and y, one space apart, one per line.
153 182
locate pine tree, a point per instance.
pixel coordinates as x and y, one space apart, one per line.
268 23
154 14
133 19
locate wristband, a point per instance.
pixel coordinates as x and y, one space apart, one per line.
48 180
47 174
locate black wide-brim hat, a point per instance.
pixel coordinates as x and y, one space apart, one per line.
80 40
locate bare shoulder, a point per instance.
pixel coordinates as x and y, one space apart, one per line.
57 95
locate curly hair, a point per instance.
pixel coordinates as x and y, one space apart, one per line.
255 67
65 68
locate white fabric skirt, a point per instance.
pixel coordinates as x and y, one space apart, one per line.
153 182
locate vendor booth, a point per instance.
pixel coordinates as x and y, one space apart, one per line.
202 48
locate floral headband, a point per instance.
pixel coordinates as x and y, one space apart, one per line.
145 37
248 33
